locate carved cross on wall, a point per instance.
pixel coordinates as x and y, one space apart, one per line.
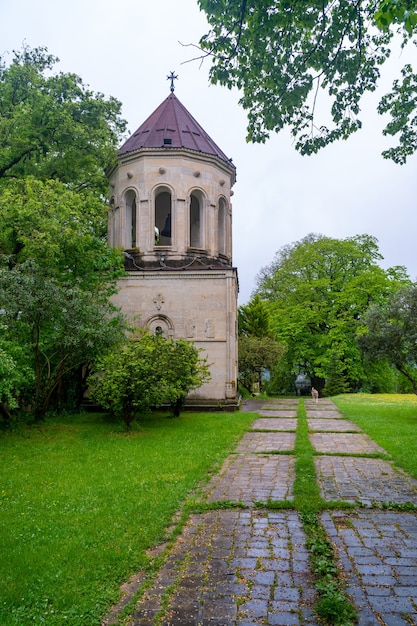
159 301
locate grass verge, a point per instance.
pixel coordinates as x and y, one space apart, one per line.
390 420
82 501
332 605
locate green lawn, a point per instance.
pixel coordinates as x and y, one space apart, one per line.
390 420
81 501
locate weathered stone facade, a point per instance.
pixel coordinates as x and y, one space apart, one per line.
170 211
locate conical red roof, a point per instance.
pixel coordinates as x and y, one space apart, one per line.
172 126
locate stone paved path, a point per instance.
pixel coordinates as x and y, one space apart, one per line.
235 567
267 442
378 553
252 478
331 425
364 481
268 423
249 566
344 443
276 413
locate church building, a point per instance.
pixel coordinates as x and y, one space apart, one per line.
170 211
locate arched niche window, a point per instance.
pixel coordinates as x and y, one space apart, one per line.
131 218
196 220
161 325
222 226
163 215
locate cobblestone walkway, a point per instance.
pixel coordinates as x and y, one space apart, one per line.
344 443
267 442
314 412
364 481
331 425
268 423
378 553
235 567
249 566
282 413
252 478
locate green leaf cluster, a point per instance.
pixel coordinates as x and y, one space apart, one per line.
390 333
147 371
319 290
402 12
63 230
282 55
401 104
52 126
56 269
16 376
50 330
258 350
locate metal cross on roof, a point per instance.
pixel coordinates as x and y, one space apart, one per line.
172 77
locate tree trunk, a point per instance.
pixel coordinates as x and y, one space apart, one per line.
5 414
404 372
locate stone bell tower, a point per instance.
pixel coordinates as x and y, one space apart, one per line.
170 212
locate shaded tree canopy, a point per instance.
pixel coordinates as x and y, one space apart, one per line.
64 231
258 350
50 329
256 355
16 375
318 291
390 333
57 272
284 54
52 126
56 277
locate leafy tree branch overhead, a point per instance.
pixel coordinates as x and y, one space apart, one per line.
52 126
283 54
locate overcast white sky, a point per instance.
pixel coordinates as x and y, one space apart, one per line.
127 48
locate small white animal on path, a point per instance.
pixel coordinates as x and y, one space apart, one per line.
315 394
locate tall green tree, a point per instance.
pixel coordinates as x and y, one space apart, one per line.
254 318
54 329
319 289
258 350
57 276
57 137
390 333
52 126
256 355
282 55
